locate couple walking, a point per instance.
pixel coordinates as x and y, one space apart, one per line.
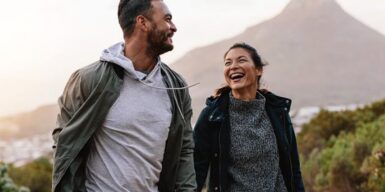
124 121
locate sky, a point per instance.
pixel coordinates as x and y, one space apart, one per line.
43 41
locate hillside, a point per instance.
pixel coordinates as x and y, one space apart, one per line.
317 53
39 121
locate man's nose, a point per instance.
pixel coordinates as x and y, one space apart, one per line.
173 27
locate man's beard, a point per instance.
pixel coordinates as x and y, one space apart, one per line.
157 41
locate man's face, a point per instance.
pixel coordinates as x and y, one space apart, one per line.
160 35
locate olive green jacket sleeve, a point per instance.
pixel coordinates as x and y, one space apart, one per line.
83 105
178 162
186 180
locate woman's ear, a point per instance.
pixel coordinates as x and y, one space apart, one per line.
259 72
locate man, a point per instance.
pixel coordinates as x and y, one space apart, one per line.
124 121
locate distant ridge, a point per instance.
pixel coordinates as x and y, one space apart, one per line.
39 121
317 54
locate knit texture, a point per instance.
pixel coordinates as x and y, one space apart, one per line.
253 149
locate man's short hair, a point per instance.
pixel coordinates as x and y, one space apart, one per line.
128 10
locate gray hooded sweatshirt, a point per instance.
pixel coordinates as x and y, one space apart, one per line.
126 153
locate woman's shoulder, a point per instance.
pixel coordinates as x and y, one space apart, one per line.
211 100
215 100
273 99
272 95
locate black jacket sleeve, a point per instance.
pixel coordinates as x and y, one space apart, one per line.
299 187
202 148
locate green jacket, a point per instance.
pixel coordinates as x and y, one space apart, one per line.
87 98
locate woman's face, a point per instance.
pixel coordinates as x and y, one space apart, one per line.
240 72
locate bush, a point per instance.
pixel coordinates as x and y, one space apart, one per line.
317 134
374 168
345 151
6 183
37 175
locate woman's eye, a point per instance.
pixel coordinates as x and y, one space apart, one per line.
227 63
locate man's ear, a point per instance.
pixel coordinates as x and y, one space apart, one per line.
142 23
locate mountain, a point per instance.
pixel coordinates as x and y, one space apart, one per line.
317 55
39 121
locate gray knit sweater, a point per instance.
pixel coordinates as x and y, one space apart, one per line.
253 149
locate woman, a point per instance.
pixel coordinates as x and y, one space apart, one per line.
244 135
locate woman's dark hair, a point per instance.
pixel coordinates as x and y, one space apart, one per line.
128 10
254 56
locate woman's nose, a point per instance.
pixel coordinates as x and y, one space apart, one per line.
234 65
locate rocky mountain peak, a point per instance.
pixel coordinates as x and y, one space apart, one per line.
301 4
318 55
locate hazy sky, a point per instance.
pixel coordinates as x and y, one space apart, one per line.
43 41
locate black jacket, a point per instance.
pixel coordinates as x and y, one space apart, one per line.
212 141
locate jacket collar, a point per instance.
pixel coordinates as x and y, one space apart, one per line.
220 104
275 101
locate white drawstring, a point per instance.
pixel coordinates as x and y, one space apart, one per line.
168 88
171 88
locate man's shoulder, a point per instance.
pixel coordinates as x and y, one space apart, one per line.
98 69
91 69
92 74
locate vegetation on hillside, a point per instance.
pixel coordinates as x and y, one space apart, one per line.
345 151
37 175
6 183
340 151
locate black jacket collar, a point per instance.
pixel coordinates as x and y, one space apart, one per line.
219 104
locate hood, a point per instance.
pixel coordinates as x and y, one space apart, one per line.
114 54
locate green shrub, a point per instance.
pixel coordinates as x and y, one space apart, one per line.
37 175
6 183
344 151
